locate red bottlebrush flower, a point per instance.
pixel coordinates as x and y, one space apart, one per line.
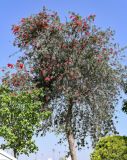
87 33
45 25
23 20
103 49
31 28
79 23
47 79
99 56
16 29
21 65
25 36
71 16
43 72
10 65
99 60
85 26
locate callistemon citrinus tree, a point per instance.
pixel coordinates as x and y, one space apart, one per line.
76 64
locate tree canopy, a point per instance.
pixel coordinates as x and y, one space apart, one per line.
111 148
20 117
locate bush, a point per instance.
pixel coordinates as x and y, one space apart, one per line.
111 148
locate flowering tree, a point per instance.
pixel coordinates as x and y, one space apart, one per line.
77 65
17 77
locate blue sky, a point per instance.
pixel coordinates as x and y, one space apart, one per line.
110 13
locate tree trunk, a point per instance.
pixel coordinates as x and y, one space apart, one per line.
71 142
69 132
15 153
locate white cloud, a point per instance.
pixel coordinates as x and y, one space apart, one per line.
50 159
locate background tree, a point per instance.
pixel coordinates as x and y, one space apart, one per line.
20 117
124 107
110 148
77 65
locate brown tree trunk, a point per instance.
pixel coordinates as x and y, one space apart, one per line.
69 133
71 142
15 153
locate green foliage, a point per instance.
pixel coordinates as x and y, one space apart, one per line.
20 116
111 148
124 107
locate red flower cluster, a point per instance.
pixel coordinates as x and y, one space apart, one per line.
47 79
23 20
21 65
15 29
10 65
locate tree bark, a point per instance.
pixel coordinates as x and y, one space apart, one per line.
71 142
15 153
69 132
